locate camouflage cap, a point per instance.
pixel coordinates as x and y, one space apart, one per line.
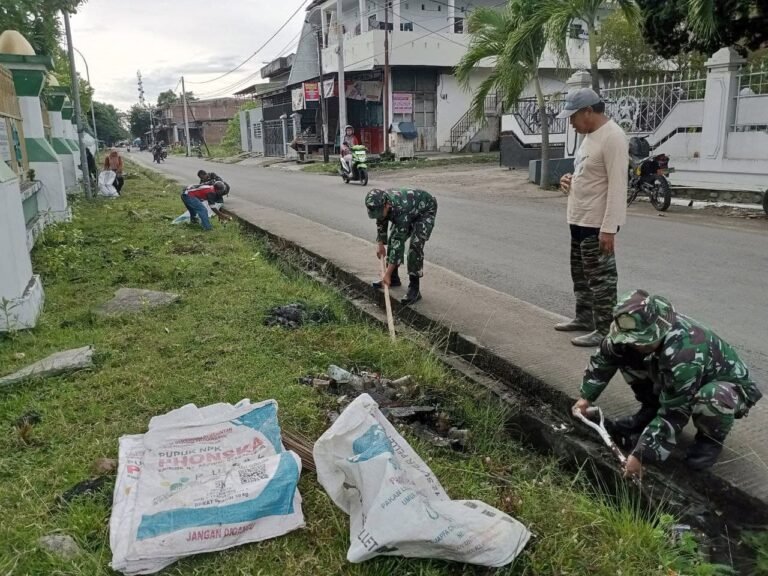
640 318
374 202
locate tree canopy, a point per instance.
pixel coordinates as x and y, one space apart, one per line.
37 20
139 121
108 123
678 26
622 41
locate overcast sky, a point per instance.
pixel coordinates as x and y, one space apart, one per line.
200 39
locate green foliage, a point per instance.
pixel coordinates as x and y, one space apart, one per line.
139 121
231 140
211 347
679 26
63 74
622 41
108 123
37 20
167 97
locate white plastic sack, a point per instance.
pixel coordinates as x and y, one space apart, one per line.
396 505
107 184
184 218
202 480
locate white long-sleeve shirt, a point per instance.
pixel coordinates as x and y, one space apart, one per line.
598 197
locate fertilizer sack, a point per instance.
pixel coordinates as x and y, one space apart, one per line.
107 184
202 480
396 505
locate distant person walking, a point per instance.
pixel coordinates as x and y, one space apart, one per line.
92 170
114 162
597 208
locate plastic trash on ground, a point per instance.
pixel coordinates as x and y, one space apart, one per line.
107 184
396 505
184 218
202 480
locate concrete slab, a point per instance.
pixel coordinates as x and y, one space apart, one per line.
54 365
520 334
132 300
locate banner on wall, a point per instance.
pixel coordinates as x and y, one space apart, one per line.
329 89
297 99
311 91
402 103
5 142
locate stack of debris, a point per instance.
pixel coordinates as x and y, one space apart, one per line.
201 480
400 400
295 315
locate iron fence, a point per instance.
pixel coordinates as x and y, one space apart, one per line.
641 106
530 117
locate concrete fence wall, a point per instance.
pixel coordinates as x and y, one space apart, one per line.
714 127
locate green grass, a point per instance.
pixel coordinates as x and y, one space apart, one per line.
212 347
332 168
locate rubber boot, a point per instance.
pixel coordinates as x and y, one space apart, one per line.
591 340
414 295
575 325
636 423
704 452
396 282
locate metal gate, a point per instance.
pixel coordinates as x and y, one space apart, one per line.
273 138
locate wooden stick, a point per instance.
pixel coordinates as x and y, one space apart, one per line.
387 303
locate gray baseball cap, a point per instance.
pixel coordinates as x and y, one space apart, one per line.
577 99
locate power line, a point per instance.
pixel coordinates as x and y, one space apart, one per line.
244 62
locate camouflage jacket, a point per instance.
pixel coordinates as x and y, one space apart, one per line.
690 356
406 206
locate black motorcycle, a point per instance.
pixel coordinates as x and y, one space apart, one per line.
648 175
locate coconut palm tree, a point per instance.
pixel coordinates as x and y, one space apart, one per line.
515 63
560 14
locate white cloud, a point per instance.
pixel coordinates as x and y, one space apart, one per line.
200 39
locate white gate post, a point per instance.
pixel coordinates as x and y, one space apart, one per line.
284 125
579 79
719 105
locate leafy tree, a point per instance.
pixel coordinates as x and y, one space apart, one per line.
504 36
37 20
108 123
622 41
62 73
167 97
139 121
673 27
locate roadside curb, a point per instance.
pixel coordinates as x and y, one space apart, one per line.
706 502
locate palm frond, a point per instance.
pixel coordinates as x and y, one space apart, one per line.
702 19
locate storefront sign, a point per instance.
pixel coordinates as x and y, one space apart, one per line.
373 91
329 89
402 103
311 91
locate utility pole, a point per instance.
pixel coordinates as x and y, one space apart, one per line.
149 109
323 107
342 82
386 76
93 113
78 111
186 119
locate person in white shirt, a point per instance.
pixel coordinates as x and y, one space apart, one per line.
597 196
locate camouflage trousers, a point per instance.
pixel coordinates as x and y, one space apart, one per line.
594 278
420 232
714 408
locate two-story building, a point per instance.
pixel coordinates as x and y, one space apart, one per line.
427 39
207 120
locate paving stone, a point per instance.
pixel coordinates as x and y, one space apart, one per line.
132 300
60 545
54 365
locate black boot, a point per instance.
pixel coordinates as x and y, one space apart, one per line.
396 282
413 295
636 423
704 452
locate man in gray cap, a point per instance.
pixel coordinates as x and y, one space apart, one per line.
597 192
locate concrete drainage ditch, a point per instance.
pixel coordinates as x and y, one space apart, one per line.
717 512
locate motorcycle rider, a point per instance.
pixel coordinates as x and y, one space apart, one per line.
157 151
346 147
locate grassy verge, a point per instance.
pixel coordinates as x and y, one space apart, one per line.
212 347
460 159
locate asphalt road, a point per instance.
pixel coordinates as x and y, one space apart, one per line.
714 269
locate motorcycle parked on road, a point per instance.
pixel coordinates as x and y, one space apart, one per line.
359 170
648 175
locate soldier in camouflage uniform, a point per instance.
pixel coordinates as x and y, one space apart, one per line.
411 214
678 369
